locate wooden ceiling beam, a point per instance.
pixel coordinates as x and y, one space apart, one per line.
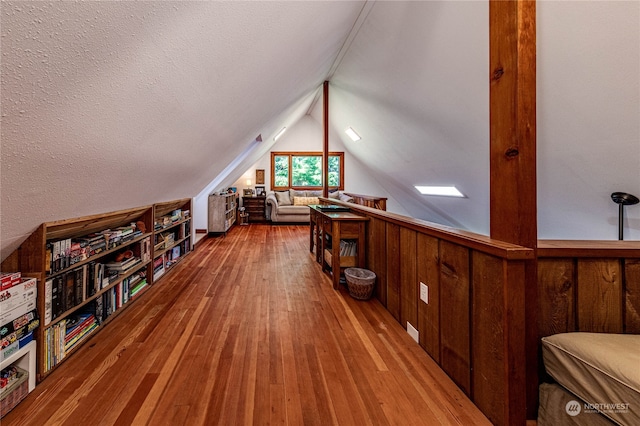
325 146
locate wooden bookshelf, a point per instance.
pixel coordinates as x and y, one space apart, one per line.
32 258
222 212
178 227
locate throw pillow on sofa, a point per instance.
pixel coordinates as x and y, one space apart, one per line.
346 198
305 201
283 198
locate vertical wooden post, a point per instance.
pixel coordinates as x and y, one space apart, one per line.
325 149
512 47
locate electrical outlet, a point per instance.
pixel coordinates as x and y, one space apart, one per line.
424 293
413 332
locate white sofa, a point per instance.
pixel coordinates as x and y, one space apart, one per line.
293 205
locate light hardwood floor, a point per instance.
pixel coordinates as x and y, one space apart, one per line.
248 330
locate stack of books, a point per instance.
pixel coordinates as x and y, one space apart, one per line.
77 327
124 265
61 254
347 248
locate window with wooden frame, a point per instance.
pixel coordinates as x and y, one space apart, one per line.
303 170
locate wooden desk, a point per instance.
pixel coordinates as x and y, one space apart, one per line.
332 228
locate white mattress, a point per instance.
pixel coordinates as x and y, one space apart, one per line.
601 369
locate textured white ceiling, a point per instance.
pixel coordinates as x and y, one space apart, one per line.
109 105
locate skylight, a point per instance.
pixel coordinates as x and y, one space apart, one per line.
275 138
444 191
352 134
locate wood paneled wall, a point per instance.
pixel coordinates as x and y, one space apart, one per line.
473 324
589 286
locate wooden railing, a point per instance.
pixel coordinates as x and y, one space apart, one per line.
473 323
379 203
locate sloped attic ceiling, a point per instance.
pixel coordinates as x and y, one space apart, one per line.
414 84
110 105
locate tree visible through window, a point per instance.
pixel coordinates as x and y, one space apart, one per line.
304 170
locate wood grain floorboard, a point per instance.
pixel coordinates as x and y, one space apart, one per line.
247 330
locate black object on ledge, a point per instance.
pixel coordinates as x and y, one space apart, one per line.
623 199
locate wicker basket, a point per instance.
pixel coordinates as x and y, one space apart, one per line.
360 282
15 392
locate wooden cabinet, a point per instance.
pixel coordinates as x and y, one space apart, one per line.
255 207
338 240
89 269
222 212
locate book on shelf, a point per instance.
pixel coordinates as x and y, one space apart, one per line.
186 247
56 297
138 287
48 301
54 351
142 250
80 284
110 301
95 273
76 327
175 253
63 253
124 265
65 291
71 343
158 267
168 238
77 252
69 291
98 309
348 248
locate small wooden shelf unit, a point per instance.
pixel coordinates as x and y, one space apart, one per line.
255 207
328 230
222 212
32 258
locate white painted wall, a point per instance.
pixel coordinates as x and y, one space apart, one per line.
588 117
